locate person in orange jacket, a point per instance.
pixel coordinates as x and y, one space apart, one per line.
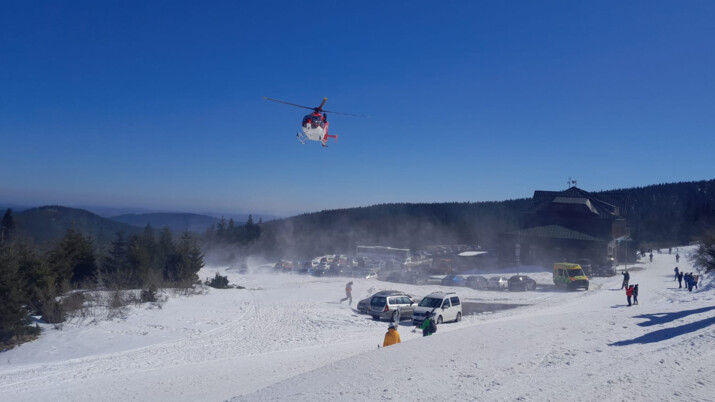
392 336
629 294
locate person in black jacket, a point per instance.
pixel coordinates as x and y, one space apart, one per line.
626 278
635 294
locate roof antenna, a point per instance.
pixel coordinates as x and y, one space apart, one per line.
570 182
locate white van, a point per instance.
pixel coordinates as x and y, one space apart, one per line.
445 306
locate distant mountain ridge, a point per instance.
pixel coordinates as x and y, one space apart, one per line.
52 222
657 214
176 222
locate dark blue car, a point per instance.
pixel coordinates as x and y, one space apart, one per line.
454 280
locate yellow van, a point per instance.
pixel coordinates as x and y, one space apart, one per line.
569 276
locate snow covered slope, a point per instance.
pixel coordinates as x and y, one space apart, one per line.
286 337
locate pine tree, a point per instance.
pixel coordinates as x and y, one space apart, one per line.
7 227
189 259
73 259
13 317
221 230
253 231
165 249
705 255
40 283
116 268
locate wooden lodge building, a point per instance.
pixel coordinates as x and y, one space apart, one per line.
565 226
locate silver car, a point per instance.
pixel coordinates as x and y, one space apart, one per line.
392 307
498 283
363 305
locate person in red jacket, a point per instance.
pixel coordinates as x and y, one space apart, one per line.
629 294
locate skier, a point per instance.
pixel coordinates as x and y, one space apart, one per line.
348 293
676 273
651 257
680 280
635 294
677 257
391 336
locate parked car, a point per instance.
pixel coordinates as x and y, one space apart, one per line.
284 266
604 269
498 283
413 277
586 264
521 282
363 305
454 280
334 270
476 282
393 276
444 306
393 307
317 271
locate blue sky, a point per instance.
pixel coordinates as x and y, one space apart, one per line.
158 105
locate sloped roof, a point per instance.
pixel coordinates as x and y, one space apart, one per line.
575 198
554 232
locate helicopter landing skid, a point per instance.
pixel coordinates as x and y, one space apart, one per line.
301 137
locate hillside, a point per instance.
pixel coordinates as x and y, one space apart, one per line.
48 223
176 222
657 215
396 225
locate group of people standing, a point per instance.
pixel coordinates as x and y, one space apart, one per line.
631 290
428 327
691 280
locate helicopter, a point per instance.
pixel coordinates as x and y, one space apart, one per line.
315 125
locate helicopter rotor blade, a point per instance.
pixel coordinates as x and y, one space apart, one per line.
317 109
288 103
346 114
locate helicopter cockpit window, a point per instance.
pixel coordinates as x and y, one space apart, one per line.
317 121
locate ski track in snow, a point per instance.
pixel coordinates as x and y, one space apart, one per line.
286 337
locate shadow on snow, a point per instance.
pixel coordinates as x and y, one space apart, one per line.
668 333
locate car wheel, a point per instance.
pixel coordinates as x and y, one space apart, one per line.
376 318
439 320
459 317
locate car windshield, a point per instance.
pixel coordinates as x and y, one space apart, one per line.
575 272
430 302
